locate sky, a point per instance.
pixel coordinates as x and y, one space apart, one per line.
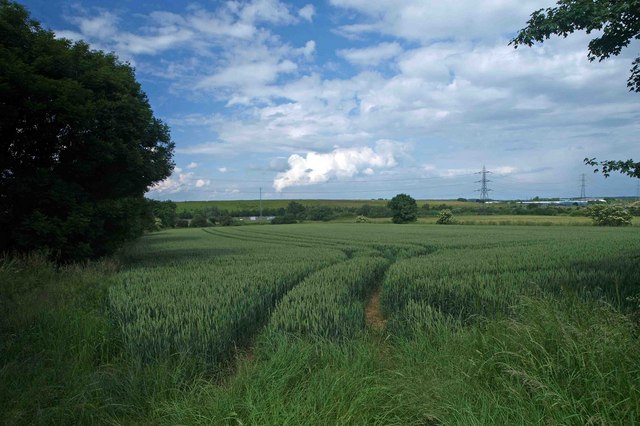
363 99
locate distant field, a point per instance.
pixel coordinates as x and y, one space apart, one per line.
235 205
500 220
516 220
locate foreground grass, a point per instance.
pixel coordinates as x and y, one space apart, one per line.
554 361
61 358
554 364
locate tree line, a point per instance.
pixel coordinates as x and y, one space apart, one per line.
80 144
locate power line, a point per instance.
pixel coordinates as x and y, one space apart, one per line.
484 190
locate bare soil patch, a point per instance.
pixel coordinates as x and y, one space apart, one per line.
373 311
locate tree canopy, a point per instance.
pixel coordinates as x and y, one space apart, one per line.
80 144
404 207
619 23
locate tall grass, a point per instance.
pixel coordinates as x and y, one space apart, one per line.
486 325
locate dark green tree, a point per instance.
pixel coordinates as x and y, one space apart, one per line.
199 221
296 210
323 213
165 211
619 24
79 145
404 208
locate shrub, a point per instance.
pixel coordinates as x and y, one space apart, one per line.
445 217
604 215
296 209
282 220
362 219
374 211
182 223
323 213
226 220
404 207
199 221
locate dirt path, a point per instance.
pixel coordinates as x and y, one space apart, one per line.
373 311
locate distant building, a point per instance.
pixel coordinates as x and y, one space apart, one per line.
566 202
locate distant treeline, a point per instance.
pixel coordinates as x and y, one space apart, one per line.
166 216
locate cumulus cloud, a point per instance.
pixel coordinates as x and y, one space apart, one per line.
371 56
222 169
307 12
198 29
317 167
177 182
192 165
423 21
308 49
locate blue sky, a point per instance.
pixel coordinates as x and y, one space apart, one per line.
365 98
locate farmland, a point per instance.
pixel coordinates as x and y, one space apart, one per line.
236 205
271 325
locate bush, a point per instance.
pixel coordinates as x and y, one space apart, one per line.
199 221
282 220
226 220
374 211
404 207
182 223
296 209
362 219
604 215
445 217
323 213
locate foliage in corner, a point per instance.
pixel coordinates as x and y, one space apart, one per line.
80 144
629 167
604 215
617 21
404 207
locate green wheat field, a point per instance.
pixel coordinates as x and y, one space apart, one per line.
330 324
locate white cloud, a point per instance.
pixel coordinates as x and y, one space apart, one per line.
340 163
177 182
428 20
270 11
164 39
248 74
308 50
371 56
222 169
192 165
202 182
104 25
307 12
